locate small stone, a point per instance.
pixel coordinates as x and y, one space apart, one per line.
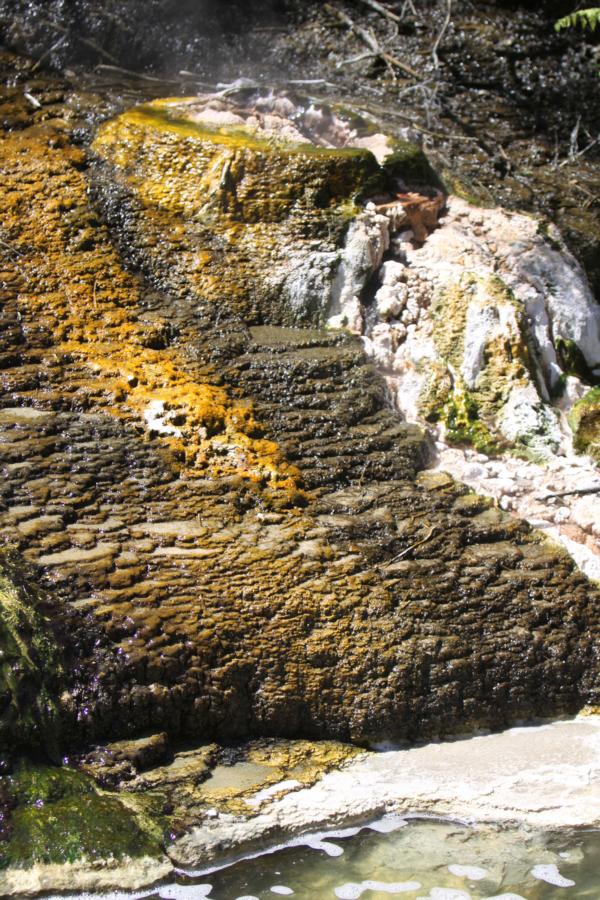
475 471
562 514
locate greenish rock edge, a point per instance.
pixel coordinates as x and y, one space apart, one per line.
584 420
31 670
56 815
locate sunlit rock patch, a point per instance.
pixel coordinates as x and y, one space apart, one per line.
82 322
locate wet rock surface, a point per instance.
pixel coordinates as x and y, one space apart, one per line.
288 575
230 527
539 775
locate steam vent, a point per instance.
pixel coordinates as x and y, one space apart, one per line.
218 525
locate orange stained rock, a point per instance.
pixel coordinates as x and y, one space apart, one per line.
75 296
421 212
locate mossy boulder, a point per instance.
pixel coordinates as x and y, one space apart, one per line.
55 814
584 420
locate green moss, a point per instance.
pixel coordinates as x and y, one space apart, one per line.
37 785
408 163
436 392
543 229
59 816
460 415
30 666
449 314
572 360
475 194
584 420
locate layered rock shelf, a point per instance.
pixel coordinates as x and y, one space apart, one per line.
218 526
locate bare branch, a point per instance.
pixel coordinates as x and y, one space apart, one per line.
86 41
382 10
371 41
440 36
355 59
580 491
104 68
405 552
48 52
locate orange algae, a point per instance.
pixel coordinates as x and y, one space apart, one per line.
80 315
228 214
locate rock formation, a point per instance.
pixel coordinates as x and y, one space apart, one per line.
232 529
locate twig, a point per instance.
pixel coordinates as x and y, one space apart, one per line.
393 113
371 42
408 549
356 59
580 491
33 101
48 52
10 248
309 81
572 158
441 34
197 78
382 10
574 139
102 67
86 41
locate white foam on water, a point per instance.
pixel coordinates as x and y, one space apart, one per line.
550 874
341 833
247 897
281 889
352 890
349 891
111 895
442 893
184 891
388 824
473 873
327 847
507 897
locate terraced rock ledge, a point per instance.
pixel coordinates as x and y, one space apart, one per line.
219 528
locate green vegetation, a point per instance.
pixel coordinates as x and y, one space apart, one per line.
30 666
586 18
57 815
584 420
463 425
572 359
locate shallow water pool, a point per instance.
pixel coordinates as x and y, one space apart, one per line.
420 859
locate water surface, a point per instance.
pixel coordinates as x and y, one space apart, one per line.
420 859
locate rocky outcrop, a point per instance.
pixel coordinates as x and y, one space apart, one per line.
227 506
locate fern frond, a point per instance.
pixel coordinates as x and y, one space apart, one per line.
587 18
